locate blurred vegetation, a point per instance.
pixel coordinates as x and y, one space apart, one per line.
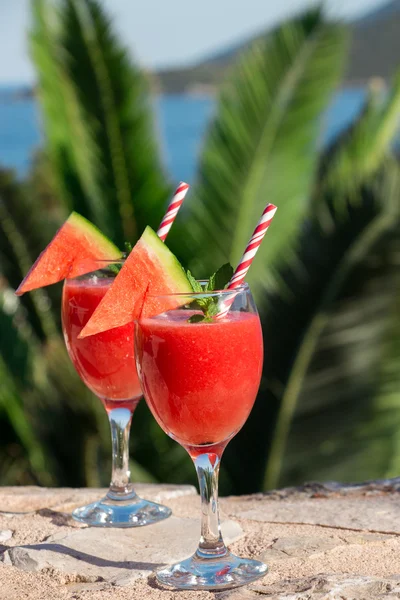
326 281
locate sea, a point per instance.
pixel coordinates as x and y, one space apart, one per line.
181 123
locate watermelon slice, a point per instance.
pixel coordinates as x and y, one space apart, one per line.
150 269
71 252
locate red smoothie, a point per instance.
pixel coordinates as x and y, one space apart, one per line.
105 361
200 379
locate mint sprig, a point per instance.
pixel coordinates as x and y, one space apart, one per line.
220 279
128 249
209 304
117 267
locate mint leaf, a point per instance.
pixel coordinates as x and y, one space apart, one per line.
196 286
196 318
212 308
222 277
200 319
115 268
209 305
128 249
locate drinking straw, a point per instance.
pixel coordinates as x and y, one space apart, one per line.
249 254
172 210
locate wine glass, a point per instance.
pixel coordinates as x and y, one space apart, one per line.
200 379
106 364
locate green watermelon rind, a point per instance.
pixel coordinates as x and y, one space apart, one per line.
105 244
133 305
107 250
168 260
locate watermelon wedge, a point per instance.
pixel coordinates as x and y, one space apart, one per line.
71 252
150 269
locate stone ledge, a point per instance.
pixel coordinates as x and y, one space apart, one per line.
322 542
31 498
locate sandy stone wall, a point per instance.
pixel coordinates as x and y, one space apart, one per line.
321 542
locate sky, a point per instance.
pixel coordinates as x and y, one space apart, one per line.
163 33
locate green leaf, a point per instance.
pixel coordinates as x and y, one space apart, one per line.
349 394
69 145
262 146
331 260
220 279
197 319
97 120
12 404
196 286
213 308
357 154
19 241
209 304
128 248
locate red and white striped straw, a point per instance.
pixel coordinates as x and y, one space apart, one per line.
253 246
249 254
172 210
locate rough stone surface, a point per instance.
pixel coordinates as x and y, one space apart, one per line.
321 542
116 556
369 513
31 498
322 587
5 535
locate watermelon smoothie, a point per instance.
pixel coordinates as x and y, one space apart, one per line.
200 380
105 361
200 373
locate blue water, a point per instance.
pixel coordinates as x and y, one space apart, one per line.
181 123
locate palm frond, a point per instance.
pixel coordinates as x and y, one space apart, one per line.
328 261
355 199
349 400
103 139
356 155
68 143
18 355
261 146
21 239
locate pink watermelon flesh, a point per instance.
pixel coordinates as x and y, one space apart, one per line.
150 269
72 252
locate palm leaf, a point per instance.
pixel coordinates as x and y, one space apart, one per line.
12 404
107 156
69 147
345 216
20 239
349 398
261 146
20 359
357 154
328 260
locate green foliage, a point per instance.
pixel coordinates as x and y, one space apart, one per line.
95 110
354 209
262 146
326 279
208 304
97 120
330 260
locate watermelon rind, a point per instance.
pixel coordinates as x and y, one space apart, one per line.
73 251
106 247
150 271
170 263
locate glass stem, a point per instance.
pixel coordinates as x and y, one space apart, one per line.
211 544
120 423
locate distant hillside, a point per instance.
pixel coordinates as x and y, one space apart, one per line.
374 52
375 49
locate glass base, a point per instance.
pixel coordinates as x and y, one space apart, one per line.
130 512
197 573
